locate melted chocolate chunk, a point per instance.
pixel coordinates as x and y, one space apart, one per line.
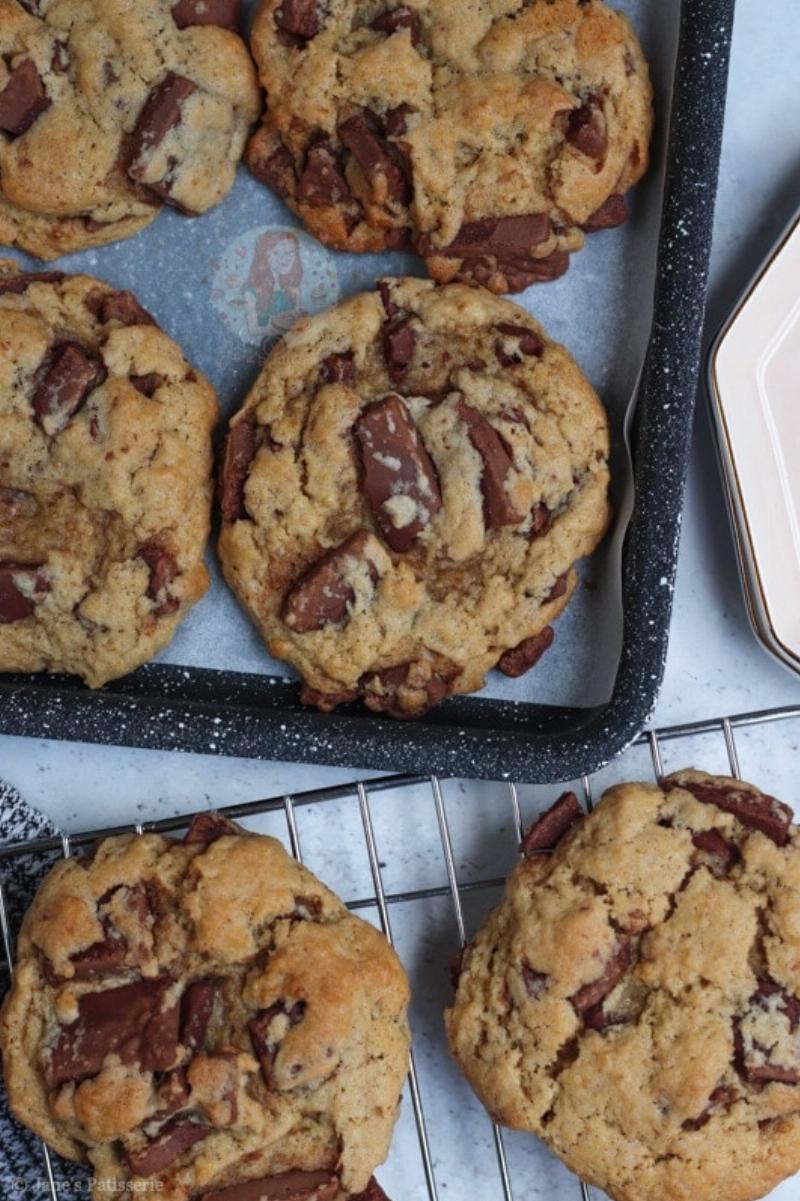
597 1018
288 1186
396 120
172 1141
21 588
118 306
122 1020
712 842
504 238
208 827
17 284
64 383
612 212
395 19
322 181
276 170
197 1008
338 369
558 589
551 826
163 570
322 596
265 1043
592 994
389 306
541 521
399 479
225 13
529 344
586 129
326 702
386 177
399 340
522 658
240 449
498 508
148 384
161 114
299 17
753 809
721 1096
23 99
101 958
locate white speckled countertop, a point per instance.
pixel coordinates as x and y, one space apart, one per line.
715 666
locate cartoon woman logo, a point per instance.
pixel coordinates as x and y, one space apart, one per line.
267 278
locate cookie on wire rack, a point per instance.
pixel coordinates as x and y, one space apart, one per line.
204 1018
105 478
406 491
489 138
634 999
110 109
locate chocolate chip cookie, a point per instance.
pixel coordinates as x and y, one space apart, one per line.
105 478
490 138
110 109
205 1019
635 998
405 493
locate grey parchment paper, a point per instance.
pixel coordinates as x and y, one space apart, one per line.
226 286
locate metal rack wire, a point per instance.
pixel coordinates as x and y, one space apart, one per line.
382 899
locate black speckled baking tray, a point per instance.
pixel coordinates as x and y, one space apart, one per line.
230 713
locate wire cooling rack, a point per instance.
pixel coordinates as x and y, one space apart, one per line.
382 899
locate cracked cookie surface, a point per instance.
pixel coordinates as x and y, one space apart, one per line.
110 109
489 137
204 1018
105 478
635 998
405 493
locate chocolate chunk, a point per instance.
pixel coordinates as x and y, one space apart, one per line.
396 120
60 58
522 658
240 449
790 1005
767 1073
592 994
118 306
373 1192
163 570
395 19
322 181
16 503
712 842
498 508
148 384
160 1042
322 596
23 99
399 340
586 129
501 237
19 283
326 702
380 689
520 273
752 808
265 1042
225 13
598 1019
558 589
541 521
161 113
21 588
276 170
101 958
535 982
197 1008
288 1186
398 477
172 1141
116 1020
208 827
173 1092
307 908
722 1095
551 826
528 344
386 177
338 369
64 383
389 306
612 212
299 17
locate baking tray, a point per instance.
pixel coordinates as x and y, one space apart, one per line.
204 710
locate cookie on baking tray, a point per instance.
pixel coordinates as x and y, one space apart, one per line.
405 493
490 138
205 1019
110 109
635 998
105 478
